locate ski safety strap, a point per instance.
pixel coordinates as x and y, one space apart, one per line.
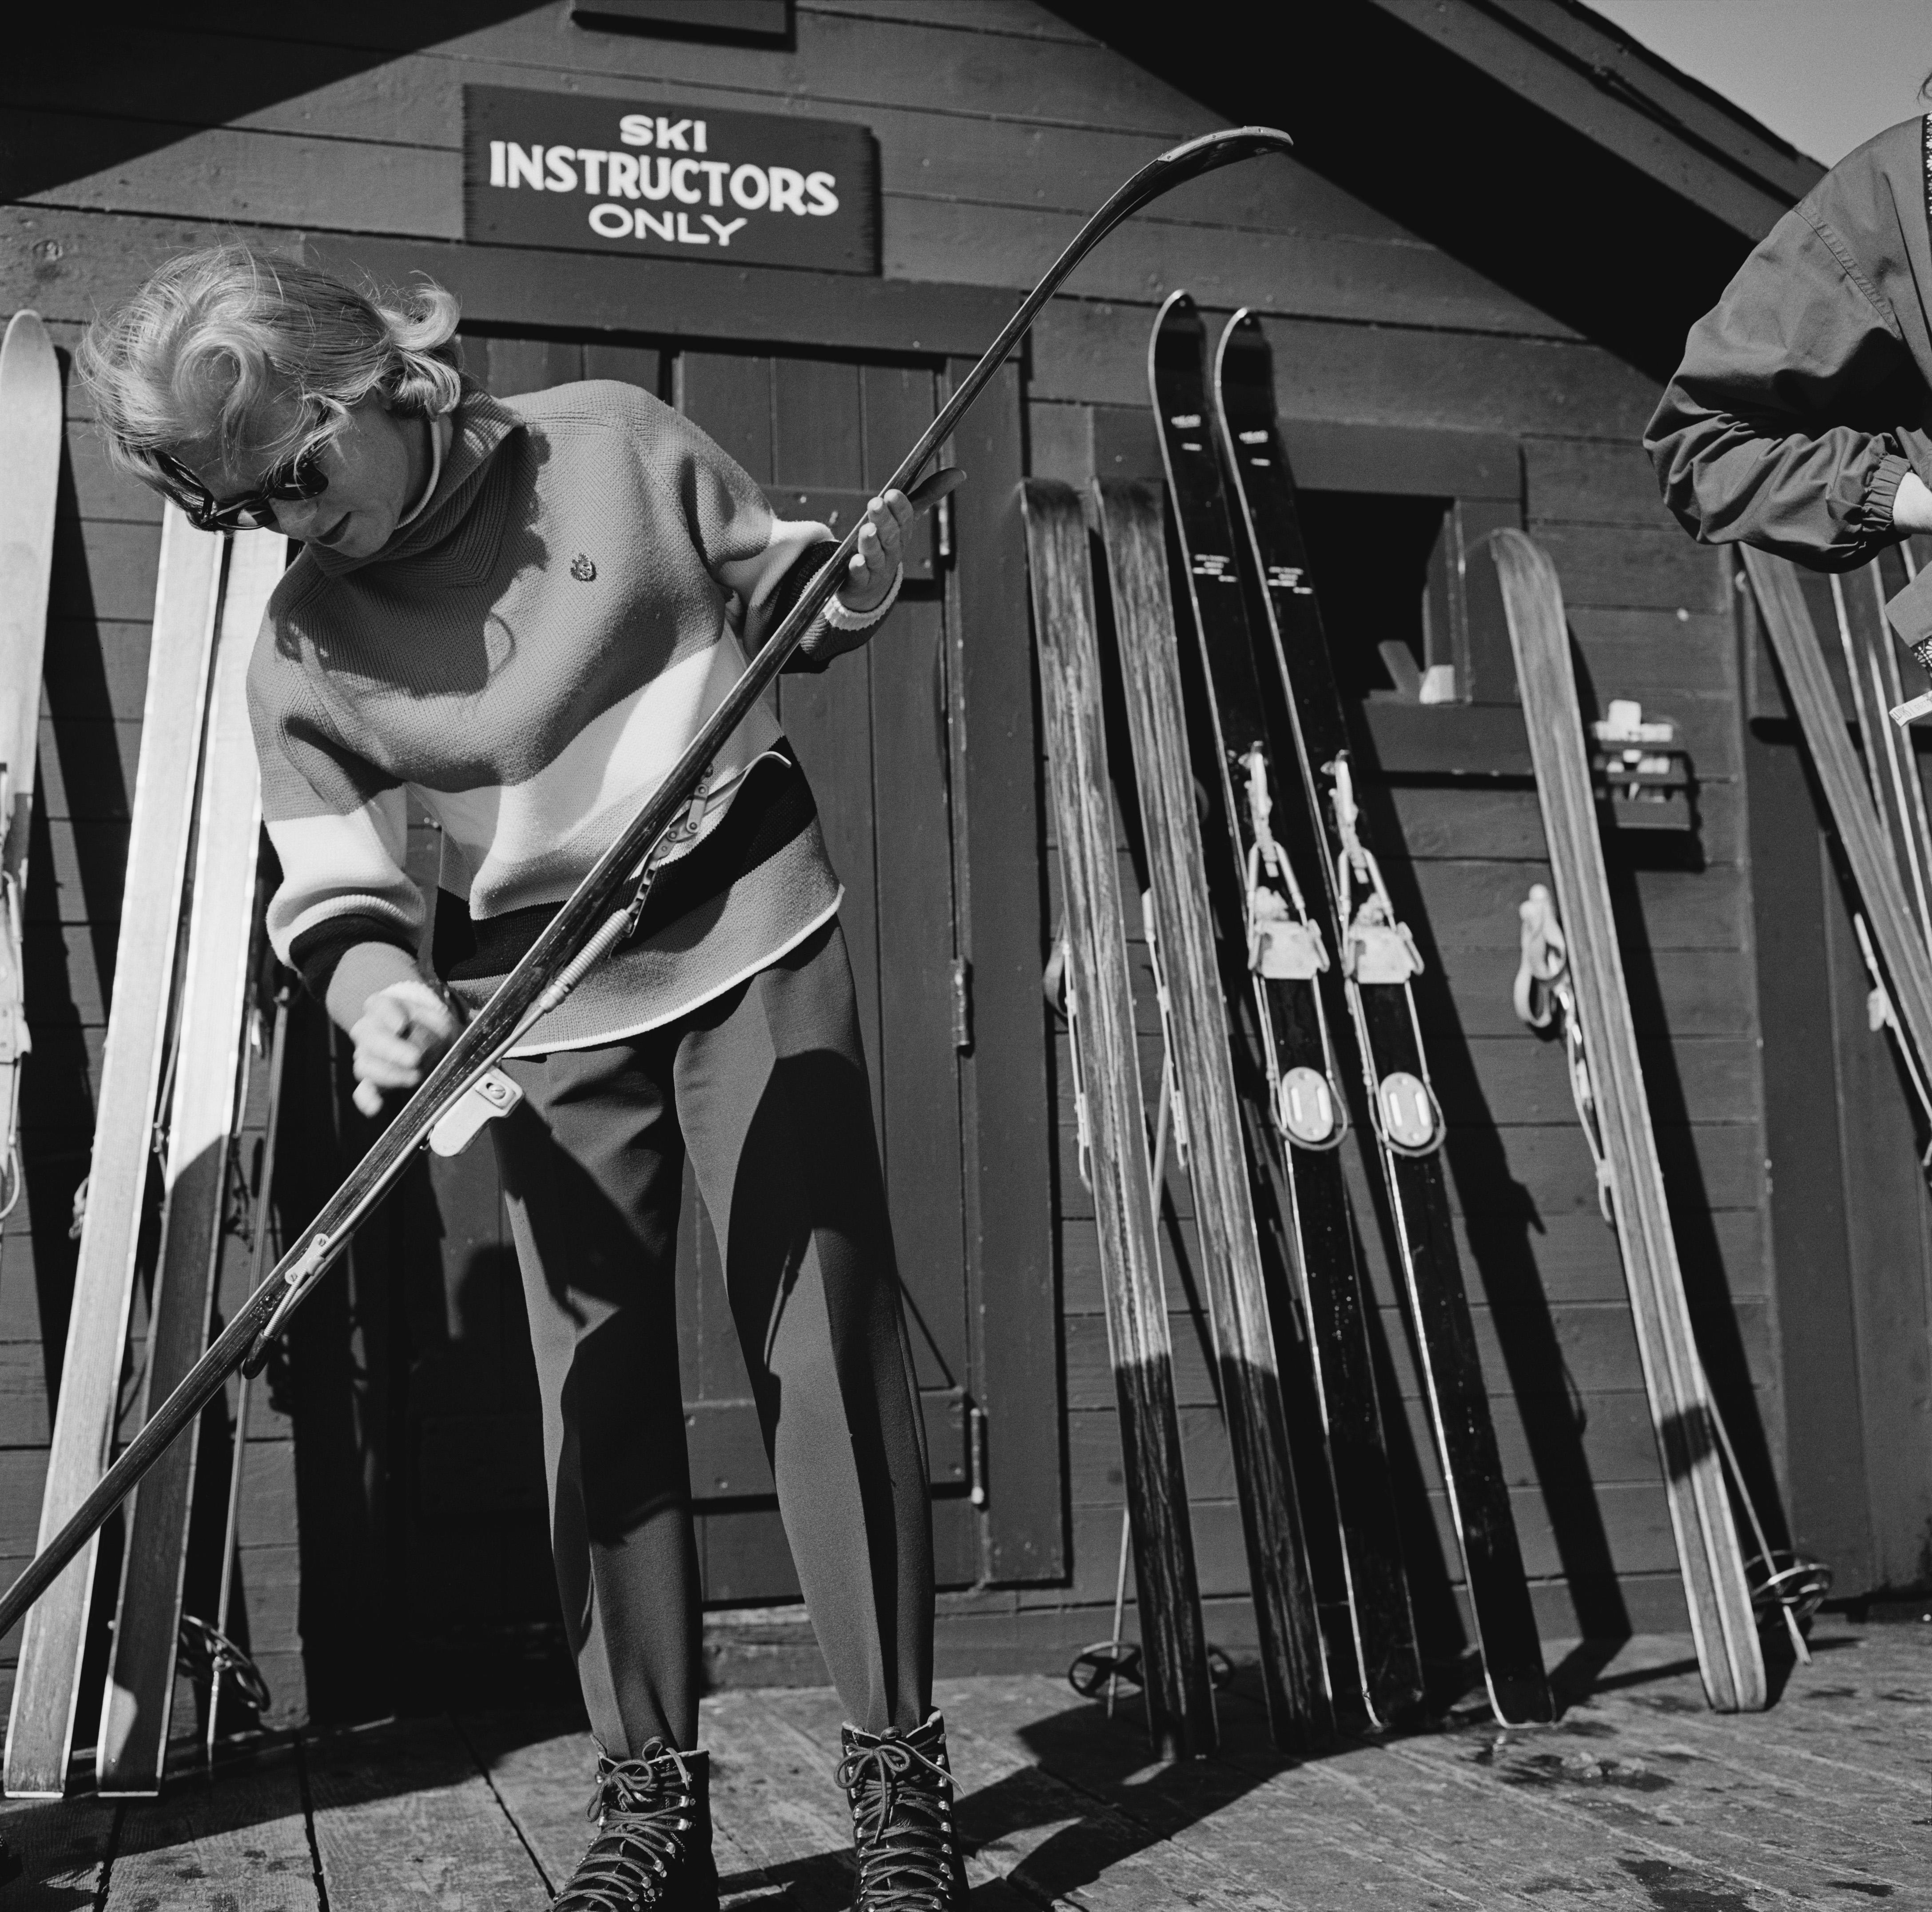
1545 995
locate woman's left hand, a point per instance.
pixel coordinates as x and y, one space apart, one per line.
874 564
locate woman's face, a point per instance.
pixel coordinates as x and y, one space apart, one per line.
375 466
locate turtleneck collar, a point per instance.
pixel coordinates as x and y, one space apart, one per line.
460 450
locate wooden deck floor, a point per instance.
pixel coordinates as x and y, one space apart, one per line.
1639 1798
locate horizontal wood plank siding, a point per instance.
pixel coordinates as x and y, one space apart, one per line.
1400 371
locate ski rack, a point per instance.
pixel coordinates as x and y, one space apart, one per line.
1379 964
1109 1108
598 915
1606 1077
1194 1015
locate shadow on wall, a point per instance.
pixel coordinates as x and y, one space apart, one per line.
104 99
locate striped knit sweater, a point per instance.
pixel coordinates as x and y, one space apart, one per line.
529 654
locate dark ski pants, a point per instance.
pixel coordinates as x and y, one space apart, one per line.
765 1089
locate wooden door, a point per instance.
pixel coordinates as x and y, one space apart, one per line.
878 734
872 733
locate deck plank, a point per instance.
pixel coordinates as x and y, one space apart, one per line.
239 1843
1639 1799
403 1818
63 1846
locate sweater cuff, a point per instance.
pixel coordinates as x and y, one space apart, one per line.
314 954
836 614
1881 493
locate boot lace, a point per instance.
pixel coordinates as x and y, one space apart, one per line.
643 1808
902 1826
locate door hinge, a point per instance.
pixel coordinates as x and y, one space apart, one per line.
942 517
976 1454
962 1003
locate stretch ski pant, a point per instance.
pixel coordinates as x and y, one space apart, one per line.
764 1089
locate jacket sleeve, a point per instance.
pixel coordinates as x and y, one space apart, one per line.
339 828
1782 426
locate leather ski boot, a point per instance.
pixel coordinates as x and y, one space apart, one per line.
652 1850
900 1786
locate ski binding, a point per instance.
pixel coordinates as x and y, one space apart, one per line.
492 1094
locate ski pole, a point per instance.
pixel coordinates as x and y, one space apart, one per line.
599 911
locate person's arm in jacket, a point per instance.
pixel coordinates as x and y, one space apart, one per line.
1784 428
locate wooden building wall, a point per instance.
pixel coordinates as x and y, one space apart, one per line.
998 127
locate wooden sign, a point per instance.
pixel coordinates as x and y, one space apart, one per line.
655 179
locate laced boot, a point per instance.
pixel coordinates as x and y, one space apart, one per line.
652 1850
900 1790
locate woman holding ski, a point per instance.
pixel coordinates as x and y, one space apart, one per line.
520 612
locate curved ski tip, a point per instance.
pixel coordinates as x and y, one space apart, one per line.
1227 144
28 328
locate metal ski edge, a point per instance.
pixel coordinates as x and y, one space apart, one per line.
1110 1109
1711 1560
574 939
1294 1666
1496 1585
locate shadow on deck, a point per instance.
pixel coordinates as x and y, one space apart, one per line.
1639 1798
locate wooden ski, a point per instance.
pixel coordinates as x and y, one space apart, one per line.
138 1702
1110 1110
1900 950
40 1732
1709 1557
1300 1709
1379 962
1268 864
30 455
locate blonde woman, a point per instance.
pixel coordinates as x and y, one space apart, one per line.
520 612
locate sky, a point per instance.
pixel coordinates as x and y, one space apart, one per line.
1825 74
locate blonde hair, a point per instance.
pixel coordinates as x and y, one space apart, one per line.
215 337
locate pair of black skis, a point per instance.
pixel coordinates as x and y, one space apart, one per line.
1319 970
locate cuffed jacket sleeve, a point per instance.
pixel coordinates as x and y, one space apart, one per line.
1788 424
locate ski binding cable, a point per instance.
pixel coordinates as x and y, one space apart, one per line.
1379 948
1285 945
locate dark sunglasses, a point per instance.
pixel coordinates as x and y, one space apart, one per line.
296 480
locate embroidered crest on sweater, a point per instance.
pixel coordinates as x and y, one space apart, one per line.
582 570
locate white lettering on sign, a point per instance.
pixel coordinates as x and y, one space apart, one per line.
640 129
630 175
658 179
525 168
